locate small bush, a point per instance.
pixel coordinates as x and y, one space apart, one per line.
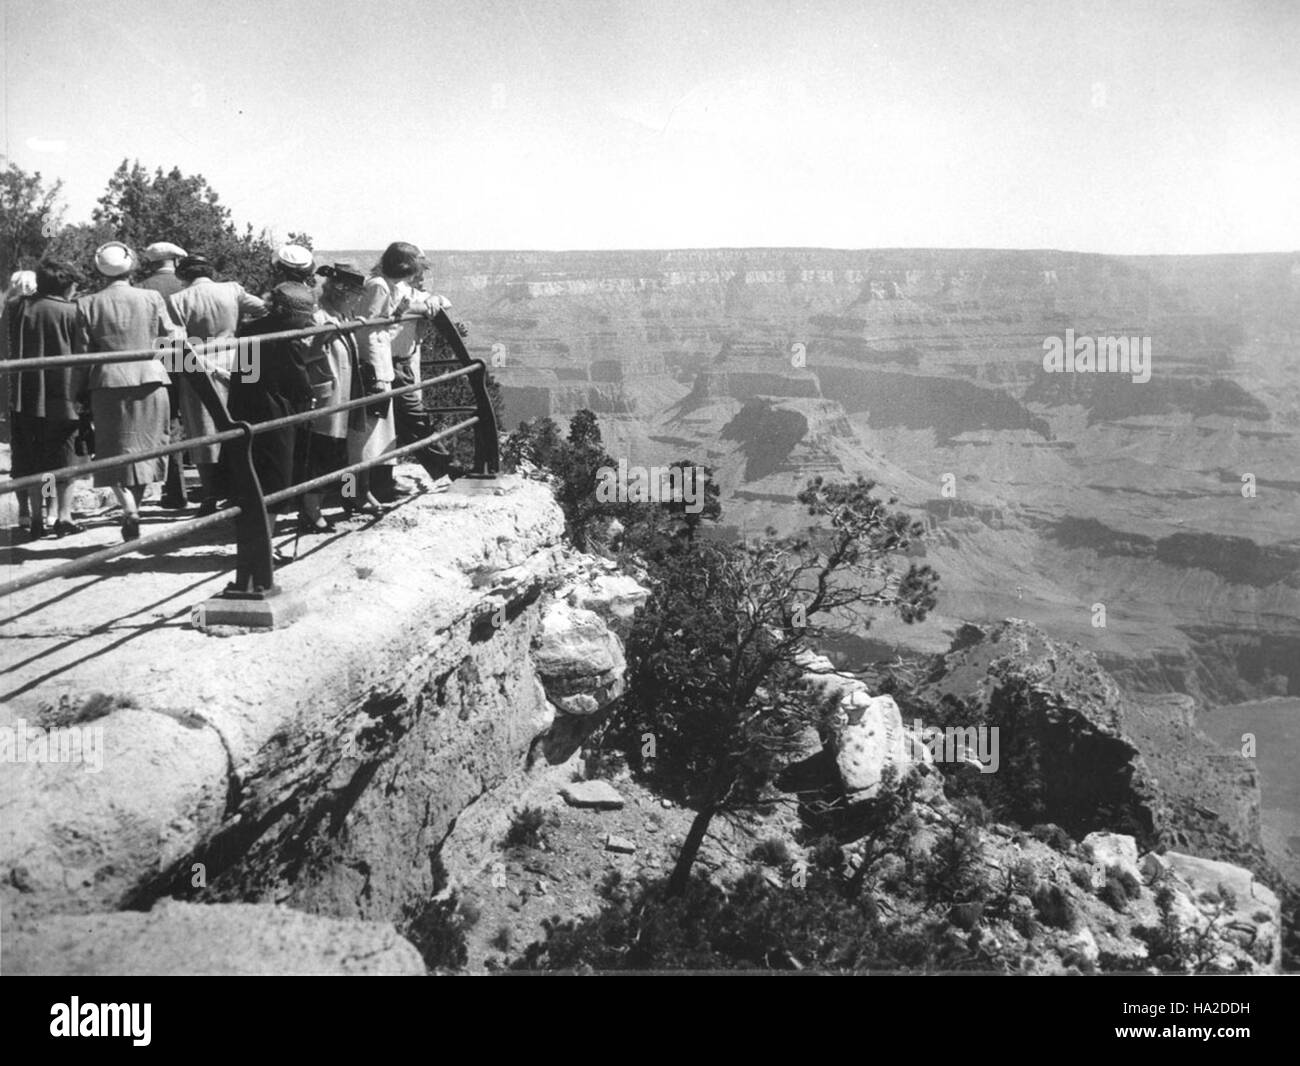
1113 893
438 933
603 763
752 927
973 810
951 870
501 940
1055 908
771 852
527 827
1053 836
825 853
437 927
612 887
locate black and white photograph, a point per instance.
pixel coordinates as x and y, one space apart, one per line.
657 487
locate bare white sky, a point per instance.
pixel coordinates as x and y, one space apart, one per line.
1135 126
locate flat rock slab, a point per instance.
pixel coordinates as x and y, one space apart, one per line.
597 795
620 844
223 939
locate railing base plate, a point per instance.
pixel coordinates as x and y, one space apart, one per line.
267 610
479 485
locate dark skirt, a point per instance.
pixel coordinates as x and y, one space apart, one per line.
318 455
130 419
273 460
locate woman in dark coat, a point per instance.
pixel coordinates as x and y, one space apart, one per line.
278 385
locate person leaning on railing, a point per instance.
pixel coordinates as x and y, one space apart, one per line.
277 387
343 437
128 400
291 262
209 310
395 349
46 418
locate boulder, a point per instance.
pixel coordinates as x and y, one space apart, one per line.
867 731
187 939
868 743
1082 946
576 655
619 844
1154 866
1254 905
615 597
1113 850
597 795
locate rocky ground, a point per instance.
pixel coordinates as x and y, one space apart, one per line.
559 871
433 757
1047 901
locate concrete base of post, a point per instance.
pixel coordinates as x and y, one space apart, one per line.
480 485
267 610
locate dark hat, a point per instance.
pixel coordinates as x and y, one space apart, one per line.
293 300
195 265
344 271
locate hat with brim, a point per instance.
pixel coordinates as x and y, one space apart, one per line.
294 302
160 250
343 272
194 264
22 283
295 257
114 259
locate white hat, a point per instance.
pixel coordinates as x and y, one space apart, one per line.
114 259
22 283
161 250
294 256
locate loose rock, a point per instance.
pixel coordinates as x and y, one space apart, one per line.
595 795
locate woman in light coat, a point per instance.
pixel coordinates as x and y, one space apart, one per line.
128 400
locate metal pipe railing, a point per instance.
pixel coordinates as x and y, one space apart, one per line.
139 355
193 525
65 473
254 556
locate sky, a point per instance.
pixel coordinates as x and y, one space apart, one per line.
1134 127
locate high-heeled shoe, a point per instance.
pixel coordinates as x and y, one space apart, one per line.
67 529
131 528
321 525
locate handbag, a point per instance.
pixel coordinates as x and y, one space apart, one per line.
84 442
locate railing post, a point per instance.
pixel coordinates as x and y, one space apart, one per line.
487 456
254 558
252 599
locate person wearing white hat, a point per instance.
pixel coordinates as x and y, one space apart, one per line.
21 283
209 309
292 262
162 257
128 400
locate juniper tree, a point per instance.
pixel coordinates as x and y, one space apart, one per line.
715 655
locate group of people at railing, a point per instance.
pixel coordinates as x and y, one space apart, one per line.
123 408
